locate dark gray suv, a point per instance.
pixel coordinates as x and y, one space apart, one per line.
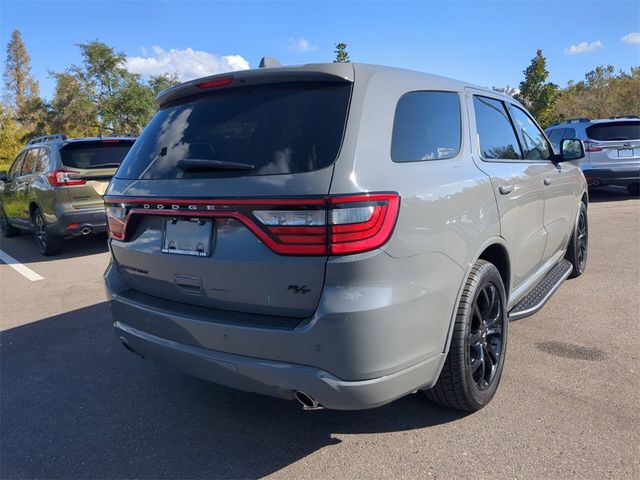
342 234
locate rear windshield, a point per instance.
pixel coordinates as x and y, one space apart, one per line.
87 155
273 129
615 131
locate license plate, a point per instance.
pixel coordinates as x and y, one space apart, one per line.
625 152
187 237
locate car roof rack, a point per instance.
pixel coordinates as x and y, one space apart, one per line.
577 120
615 117
47 138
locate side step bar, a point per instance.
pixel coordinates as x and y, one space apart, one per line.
542 292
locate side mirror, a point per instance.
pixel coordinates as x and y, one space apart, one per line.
3 176
571 149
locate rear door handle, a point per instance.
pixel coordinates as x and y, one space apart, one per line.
547 181
505 189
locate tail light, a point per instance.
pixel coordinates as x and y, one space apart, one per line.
334 225
65 178
592 147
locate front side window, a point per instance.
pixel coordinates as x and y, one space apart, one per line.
569 133
535 144
495 131
426 127
14 171
556 135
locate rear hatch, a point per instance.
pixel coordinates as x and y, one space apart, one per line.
89 166
614 144
221 202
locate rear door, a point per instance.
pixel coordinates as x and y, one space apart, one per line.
92 165
518 184
223 198
10 202
22 185
614 144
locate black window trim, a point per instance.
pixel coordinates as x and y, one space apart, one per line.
460 111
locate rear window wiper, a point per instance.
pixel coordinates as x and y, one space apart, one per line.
202 164
104 165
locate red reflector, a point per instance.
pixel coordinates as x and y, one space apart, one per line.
218 82
71 226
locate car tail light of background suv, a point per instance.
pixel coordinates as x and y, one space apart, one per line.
334 225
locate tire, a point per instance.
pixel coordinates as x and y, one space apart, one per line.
7 229
578 248
47 243
479 340
634 189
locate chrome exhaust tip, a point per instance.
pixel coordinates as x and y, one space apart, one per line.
85 231
307 401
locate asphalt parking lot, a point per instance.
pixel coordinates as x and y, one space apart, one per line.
75 404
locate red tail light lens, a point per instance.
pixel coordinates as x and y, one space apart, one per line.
218 82
592 147
65 178
335 225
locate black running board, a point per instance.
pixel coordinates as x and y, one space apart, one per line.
542 292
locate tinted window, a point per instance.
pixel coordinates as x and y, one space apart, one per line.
277 129
426 127
556 135
29 161
569 133
15 166
615 131
535 144
497 137
103 154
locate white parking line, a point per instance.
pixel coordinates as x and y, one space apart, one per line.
20 268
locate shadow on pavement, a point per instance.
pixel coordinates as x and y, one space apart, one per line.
25 250
76 404
609 194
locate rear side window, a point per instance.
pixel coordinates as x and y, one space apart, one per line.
556 135
497 137
267 129
101 154
43 160
29 161
615 131
426 127
535 144
569 133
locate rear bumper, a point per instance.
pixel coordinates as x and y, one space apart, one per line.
95 220
279 379
622 176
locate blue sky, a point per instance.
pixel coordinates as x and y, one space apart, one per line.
485 42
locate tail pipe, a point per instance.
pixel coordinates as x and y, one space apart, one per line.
307 401
85 230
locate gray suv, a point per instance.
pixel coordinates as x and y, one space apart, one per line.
341 234
612 149
54 188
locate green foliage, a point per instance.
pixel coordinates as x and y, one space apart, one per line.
601 94
74 112
538 95
10 137
342 56
21 89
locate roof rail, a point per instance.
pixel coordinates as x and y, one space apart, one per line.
577 120
47 138
128 134
615 117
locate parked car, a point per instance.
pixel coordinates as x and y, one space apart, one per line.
612 149
342 234
55 185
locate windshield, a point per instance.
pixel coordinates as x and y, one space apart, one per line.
615 131
271 129
87 155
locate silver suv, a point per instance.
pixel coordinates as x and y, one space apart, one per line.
342 234
612 149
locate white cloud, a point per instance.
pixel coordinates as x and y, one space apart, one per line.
301 45
632 38
187 64
583 47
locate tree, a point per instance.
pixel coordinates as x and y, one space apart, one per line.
20 87
342 56
538 95
159 83
10 137
73 110
508 90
